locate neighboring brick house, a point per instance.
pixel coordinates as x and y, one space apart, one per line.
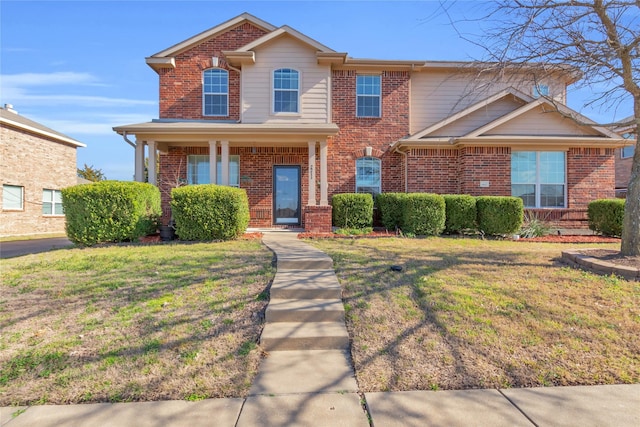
294 122
36 163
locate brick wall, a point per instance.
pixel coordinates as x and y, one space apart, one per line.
623 169
433 171
492 164
590 175
34 163
181 87
256 176
357 133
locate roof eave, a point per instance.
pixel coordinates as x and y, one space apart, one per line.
41 132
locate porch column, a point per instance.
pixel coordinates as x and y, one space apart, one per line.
323 174
138 174
225 162
152 162
213 161
312 174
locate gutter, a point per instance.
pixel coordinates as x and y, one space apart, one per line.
124 135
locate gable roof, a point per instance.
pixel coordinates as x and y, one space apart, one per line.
510 128
8 117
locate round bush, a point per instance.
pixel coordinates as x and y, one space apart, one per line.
390 207
461 212
606 216
424 214
498 215
352 210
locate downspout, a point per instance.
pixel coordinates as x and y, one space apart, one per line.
124 135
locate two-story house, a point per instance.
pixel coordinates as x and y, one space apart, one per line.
294 122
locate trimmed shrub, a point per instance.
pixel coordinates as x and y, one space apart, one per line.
424 214
209 212
606 216
110 211
461 213
390 207
499 215
352 210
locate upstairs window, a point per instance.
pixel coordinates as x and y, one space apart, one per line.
538 178
368 96
368 175
216 92
52 202
286 86
540 90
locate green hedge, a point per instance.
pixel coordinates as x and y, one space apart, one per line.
352 210
209 212
461 213
110 211
606 216
391 211
424 214
499 215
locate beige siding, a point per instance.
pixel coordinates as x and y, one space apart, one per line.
478 118
435 95
539 122
35 164
285 52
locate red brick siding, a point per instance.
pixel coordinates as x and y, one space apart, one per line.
590 175
491 164
181 87
256 176
357 133
433 171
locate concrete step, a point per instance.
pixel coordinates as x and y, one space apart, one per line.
305 371
306 284
304 336
310 310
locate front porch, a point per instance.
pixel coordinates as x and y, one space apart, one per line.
282 168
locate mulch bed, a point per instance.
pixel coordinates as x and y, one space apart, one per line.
612 257
573 239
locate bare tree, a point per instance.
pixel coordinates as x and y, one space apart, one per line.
600 39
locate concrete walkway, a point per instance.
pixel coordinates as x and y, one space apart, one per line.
307 378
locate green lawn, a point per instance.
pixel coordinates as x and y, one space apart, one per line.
137 322
468 313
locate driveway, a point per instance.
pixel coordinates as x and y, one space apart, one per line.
24 247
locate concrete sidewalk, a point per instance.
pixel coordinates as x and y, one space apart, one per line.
307 379
585 406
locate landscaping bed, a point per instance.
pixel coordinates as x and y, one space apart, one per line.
472 313
123 323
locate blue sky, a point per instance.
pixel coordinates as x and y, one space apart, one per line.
78 66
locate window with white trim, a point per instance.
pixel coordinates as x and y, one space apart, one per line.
540 90
368 96
52 202
12 197
286 86
539 178
368 175
630 150
215 88
198 170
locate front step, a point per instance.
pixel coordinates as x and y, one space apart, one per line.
306 284
305 336
311 310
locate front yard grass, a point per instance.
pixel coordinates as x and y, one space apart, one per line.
467 313
129 323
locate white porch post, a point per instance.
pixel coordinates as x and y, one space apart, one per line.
323 174
152 162
213 163
138 175
225 162
312 174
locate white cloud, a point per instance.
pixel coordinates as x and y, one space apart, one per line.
94 124
47 79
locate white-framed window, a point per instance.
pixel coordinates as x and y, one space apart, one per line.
540 90
368 175
215 88
198 170
539 178
12 197
629 151
368 97
52 202
286 88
